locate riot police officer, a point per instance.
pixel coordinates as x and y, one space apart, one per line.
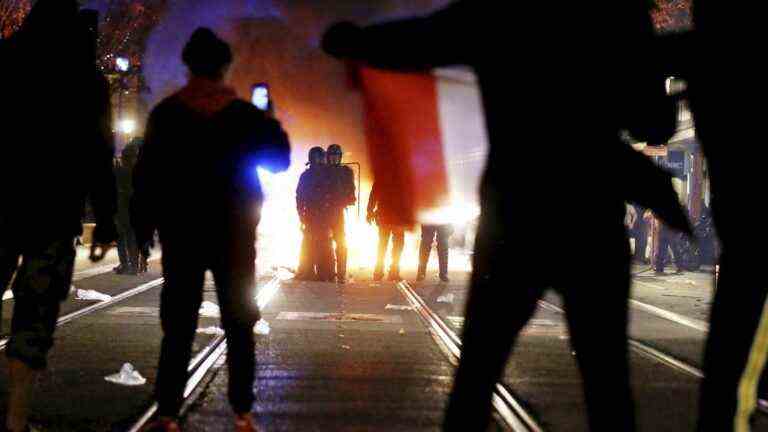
312 204
342 195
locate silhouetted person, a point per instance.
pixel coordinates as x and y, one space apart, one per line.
313 205
342 195
582 80
383 212
664 247
638 230
50 161
196 183
127 247
429 234
725 81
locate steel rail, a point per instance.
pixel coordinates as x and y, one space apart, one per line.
207 358
648 351
511 411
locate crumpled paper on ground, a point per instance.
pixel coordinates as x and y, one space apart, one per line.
398 307
210 309
262 328
446 298
128 376
213 330
91 295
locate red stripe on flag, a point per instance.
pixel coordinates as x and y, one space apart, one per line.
402 124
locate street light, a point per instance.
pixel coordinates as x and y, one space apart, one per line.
122 64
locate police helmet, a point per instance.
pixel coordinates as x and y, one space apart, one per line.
315 153
334 149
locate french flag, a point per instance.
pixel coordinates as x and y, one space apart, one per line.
426 140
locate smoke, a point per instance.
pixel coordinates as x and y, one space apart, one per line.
276 41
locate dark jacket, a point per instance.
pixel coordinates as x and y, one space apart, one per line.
314 196
342 183
56 148
196 174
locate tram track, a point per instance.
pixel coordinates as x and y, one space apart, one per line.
508 407
64 319
651 352
202 364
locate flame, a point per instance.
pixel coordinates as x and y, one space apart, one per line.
280 233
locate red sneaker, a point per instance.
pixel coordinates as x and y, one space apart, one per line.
245 424
162 425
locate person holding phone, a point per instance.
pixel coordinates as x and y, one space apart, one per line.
195 183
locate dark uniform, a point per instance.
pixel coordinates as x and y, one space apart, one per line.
591 76
196 183
342 184
384 214
313 203
429 234
51 160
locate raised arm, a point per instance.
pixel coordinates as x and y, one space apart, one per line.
274 152
412 44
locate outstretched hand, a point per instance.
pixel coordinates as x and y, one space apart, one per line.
340 38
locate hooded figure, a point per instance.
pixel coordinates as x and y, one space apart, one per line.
51 161
554 122
196 184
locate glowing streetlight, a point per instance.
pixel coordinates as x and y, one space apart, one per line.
122 64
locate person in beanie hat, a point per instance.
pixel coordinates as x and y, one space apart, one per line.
196 174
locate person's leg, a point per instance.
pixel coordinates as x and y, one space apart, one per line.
180 300
492 305
132 248
42 283
303 271
384 234
603 361
663 250
736 347
235 279
398 242
324 253
122 253
425 248
443 237
641 242
340 237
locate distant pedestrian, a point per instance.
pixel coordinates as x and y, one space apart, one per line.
195 182
128 251
382 213
49 164
429 234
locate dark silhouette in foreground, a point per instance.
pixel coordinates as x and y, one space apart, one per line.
709 58
569 92
49 165
196 183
